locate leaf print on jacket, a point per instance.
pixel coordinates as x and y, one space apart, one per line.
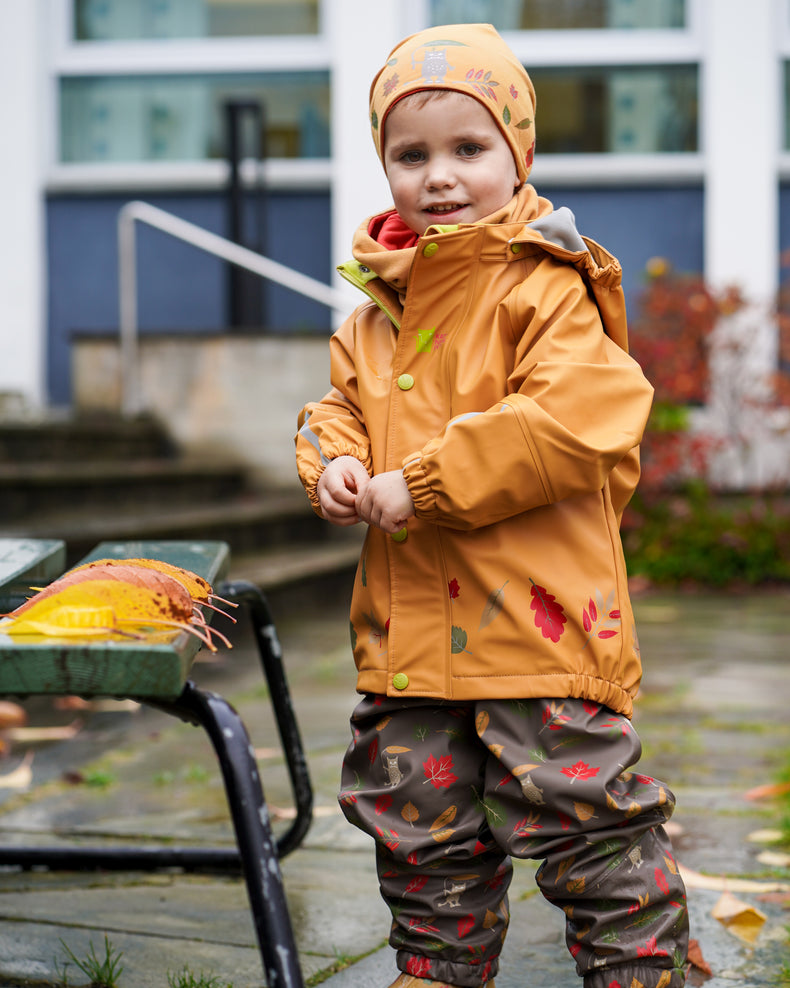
549 615
494 605
458 641
599 618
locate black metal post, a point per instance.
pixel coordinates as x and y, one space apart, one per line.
246 293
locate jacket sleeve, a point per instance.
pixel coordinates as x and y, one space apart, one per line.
576 406
333 426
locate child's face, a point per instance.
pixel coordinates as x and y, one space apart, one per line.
446 162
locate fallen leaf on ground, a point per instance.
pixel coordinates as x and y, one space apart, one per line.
71 703
768 790
765 836
697 960
11 714
776 899
741 919
21 776
34 735
774 859
723 883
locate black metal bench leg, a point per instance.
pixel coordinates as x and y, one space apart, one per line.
270 654
257 847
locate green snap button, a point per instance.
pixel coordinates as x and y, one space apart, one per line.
400 536
516 248
430 249
400 680
405 382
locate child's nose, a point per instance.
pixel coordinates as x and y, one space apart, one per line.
440 174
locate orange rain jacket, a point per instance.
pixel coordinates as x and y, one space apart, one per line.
491 365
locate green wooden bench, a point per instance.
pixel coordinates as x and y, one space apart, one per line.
156 672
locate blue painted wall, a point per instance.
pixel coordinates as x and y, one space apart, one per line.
179 288
636 224
183 289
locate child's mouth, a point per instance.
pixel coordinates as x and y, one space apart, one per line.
440 210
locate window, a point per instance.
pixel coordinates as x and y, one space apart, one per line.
181 118
622 110
558 15
124 20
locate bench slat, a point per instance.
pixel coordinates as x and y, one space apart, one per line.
25 563
155 667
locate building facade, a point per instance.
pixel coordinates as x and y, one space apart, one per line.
663 124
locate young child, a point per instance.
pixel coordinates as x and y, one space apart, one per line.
483 420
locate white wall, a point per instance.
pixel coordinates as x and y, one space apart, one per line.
22 254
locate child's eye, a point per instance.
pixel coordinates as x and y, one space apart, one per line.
469 150
411 157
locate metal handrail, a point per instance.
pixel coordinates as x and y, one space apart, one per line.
212 243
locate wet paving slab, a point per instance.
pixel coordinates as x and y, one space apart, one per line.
712 716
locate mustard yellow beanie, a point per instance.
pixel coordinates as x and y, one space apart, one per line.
467 58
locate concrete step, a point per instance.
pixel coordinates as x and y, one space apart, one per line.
249 523
84 438
90 481
28 489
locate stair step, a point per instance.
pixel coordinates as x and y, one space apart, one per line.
283 568
87 481
83 439
31 488
247 524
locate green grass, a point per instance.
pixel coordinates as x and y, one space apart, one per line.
103 972
186 979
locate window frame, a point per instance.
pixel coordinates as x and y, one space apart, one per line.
206 56
783 34
607 48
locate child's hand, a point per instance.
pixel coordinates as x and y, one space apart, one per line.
385 502
338 486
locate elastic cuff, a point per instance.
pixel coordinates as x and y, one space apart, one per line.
434 969
630 976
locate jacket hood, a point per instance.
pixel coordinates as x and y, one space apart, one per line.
393 266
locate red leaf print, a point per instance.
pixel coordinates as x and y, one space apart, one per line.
439 772
661 881
549 615
607 634
412 858
383 803
586 620
593 610
591 708
416 884
581 770
454 589
565 821
465 925
373 750
389 837
650 949
418 966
